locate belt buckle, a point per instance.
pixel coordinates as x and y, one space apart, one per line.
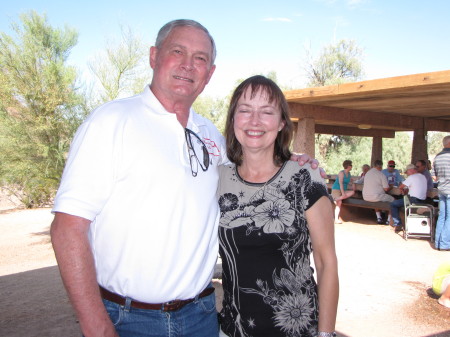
171 305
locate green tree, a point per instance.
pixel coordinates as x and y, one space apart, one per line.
337 63
356 149
122 69
39 107
215 109
435 143
398 149
325 144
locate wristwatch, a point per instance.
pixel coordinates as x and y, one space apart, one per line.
326 334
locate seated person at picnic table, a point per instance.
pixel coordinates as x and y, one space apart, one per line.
365 168
339 190
392 174
375 188
422 167
416 187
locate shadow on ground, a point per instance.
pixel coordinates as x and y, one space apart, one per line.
38 310
424 310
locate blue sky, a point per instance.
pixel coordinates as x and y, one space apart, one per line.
398 37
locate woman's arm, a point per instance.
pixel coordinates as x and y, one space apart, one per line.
321 227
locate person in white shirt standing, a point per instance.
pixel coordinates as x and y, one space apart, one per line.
136 215
416 187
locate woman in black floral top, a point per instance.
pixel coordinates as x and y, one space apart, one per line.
273 214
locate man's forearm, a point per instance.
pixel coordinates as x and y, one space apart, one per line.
77 268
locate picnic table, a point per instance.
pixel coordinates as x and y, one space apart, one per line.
395 191
357 199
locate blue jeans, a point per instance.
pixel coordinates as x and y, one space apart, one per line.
442 234
397 204
196 319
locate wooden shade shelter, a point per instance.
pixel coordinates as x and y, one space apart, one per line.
375 108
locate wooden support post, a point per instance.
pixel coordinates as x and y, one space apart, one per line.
377 149
419 146
304 137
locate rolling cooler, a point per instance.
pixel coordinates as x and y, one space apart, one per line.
418 220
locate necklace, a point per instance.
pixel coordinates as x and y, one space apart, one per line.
263 187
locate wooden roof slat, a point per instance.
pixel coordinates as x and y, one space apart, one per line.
391 84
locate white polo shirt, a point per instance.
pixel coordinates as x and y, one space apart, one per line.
417 185
154 225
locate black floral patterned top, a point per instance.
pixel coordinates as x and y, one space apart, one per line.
269 288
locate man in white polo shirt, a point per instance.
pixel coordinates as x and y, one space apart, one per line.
136 215
416 187
136 211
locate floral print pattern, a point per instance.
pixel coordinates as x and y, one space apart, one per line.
269 288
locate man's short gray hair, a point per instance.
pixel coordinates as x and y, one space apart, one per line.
377 163
167 28
446 141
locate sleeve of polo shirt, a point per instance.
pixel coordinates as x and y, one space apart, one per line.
223 151
89 174
384 181
407 182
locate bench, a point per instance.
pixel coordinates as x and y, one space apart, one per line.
355 202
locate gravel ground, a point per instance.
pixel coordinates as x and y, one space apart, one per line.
384 280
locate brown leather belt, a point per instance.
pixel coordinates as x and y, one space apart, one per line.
168 306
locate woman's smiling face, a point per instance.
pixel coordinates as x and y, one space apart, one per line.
257 121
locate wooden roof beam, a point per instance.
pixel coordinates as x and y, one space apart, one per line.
346 131
389 103
441 125
375 119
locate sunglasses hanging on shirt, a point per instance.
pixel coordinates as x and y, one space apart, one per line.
198 153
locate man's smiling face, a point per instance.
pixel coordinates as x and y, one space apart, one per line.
182 65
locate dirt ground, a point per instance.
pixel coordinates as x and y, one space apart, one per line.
384 281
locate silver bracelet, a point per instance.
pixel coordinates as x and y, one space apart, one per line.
326 334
